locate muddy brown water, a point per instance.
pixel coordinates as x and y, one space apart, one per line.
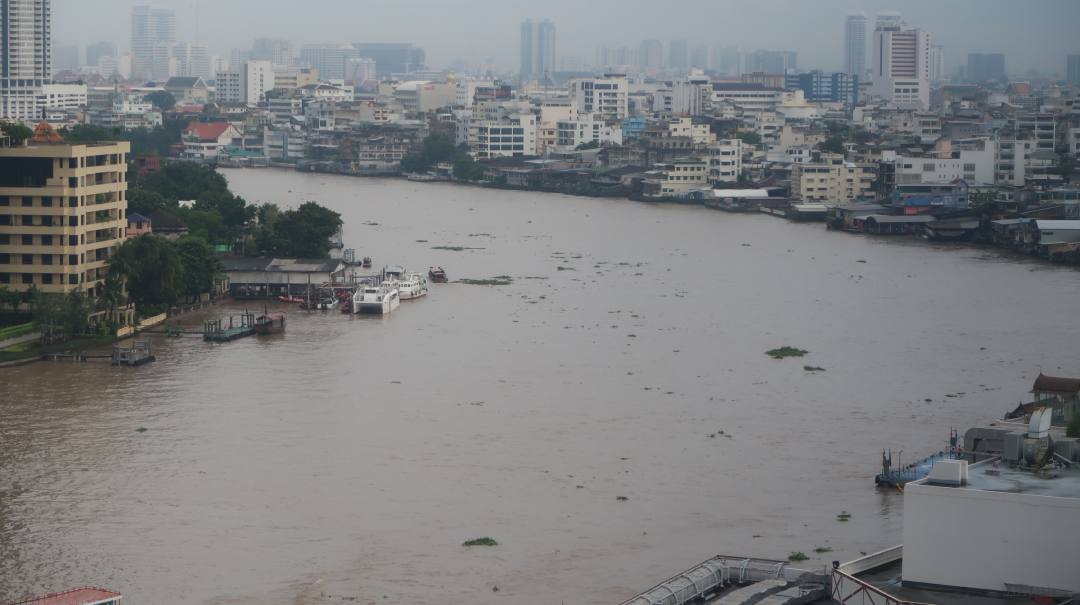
352 456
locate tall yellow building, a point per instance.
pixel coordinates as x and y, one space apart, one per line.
62 209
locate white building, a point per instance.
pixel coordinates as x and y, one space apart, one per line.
753 95
901 65
358 69
25 59
586 128
61 96
972 161
690 96
983 528
490 137
725 160
247 83
606 96
855 44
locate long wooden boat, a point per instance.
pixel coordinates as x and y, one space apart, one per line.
270 323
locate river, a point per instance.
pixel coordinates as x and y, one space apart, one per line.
352 456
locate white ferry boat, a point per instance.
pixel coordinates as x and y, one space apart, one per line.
413 285
382 299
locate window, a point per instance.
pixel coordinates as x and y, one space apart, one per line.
73 278
73 240
73 181
27 239
28 259
929 167
46 259
5 278
5 200
46 278
46 201
5 259
27 200
5 239
969 168
46 240
73 201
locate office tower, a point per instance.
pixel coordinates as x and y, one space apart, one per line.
240 56
985 66
571 63
537 48
72 210
328 59
275 50
855 44
400 57
772 61
652 54
678 54
901 65
733 61
96 51
25 55
701 56
358 69
151 25
887 17
65 57
1072 69
937 63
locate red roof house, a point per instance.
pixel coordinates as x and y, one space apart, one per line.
206 141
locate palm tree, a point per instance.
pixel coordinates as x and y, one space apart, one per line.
112 292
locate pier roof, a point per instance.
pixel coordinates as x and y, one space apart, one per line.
282 265
1052 385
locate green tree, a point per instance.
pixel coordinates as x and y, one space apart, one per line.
588 145
162 99
1073 429
151 267
301 233
200 263
16 131
413 163
468 169
438 147
112 292
750 138
144 201
833 146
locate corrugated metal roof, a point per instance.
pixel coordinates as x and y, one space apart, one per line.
1056 224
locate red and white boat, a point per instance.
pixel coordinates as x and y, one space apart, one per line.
84 595
294 299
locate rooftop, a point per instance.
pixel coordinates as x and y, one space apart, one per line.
1063 482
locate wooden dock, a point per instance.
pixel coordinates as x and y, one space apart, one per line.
215 330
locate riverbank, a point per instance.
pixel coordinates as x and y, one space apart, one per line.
30 352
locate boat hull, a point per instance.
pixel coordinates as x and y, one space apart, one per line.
384 307
268 329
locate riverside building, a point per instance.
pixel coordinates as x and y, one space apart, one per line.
62 210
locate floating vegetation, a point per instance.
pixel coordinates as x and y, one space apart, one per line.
454 248
141 429
639 274
624 263
860 261
843 516
713 435
481 542
535 278
567 269
631 335
746 244
421 241
927 400
581 487
372 224
820 549
783 352
485 282
813 368
494 589
621 498
503 277
797 556
480 234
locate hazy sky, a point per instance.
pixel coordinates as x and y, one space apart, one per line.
1031 33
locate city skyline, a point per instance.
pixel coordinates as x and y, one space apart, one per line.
816 33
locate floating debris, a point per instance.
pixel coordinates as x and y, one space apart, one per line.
783 352
481 542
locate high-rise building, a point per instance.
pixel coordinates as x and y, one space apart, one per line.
678 54
537 49
25 55
701 56
772 61
358 69
855 44
937 63
151 25
328 59
400 57
246 83
1072 69
71 209
986 66
65 57
887 17
901 64
571 63
97 50
652 54
275 50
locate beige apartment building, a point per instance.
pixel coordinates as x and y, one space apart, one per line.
833 181
62 210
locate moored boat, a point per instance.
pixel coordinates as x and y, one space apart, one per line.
412 285
437 275
293 299
270 323
367 261
376 299
326 304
